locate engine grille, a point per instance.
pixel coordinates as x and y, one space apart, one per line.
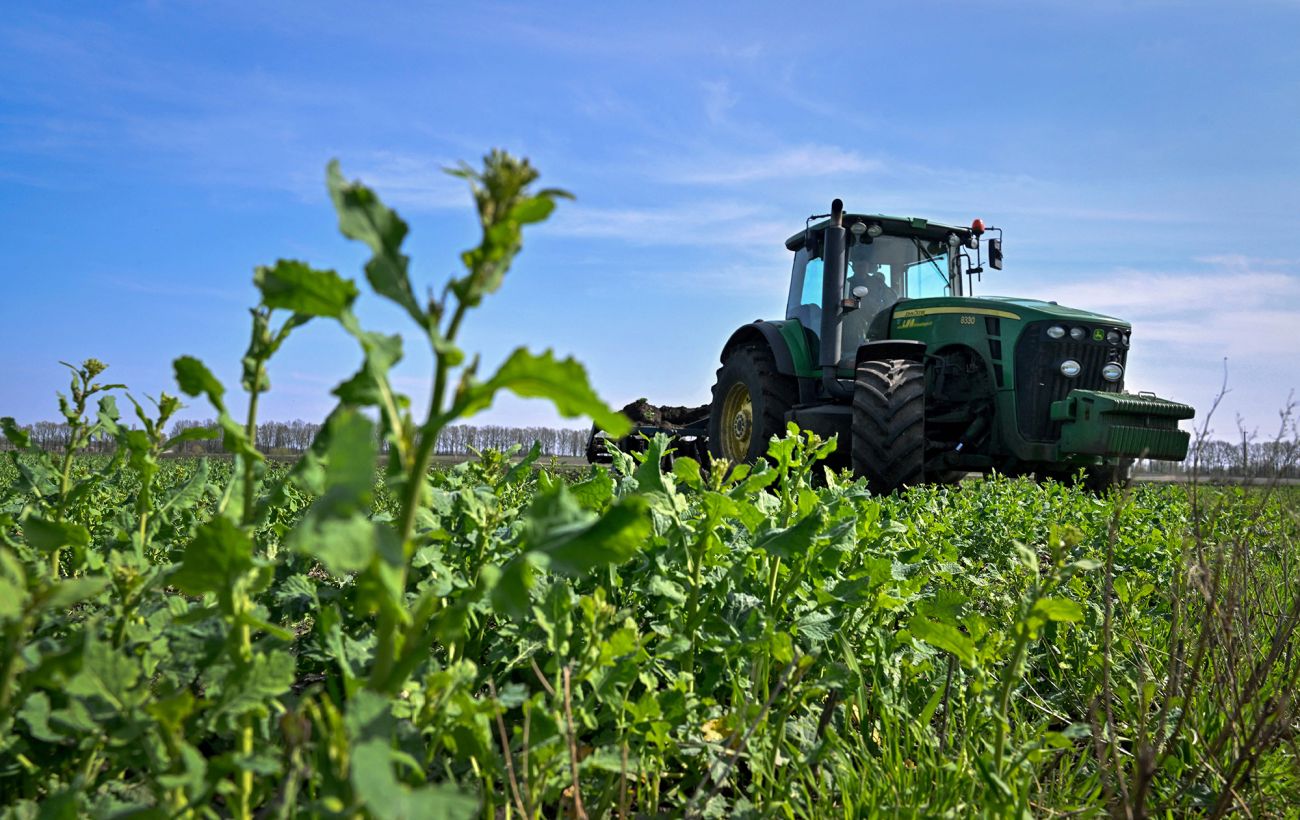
1038 373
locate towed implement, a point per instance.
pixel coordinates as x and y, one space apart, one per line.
884 345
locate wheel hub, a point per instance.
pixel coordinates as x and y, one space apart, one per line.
740 426
738 422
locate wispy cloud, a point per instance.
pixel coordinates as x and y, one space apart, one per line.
1239 306
716 224
800 161
719 99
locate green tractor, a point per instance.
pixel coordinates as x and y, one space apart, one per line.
884 345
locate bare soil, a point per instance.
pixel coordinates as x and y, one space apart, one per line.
671 417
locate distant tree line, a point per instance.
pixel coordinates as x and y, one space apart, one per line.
1246 458
294 437
555 441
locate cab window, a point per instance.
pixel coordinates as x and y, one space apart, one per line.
926 279
805 302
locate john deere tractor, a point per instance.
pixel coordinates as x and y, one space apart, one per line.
884 345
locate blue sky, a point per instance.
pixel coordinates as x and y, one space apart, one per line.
1143 159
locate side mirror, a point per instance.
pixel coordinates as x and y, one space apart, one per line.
995 254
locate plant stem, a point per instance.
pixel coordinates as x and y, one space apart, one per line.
250 430
8 665
387 647
1004 697
243 808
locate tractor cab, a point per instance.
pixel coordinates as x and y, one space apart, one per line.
887 260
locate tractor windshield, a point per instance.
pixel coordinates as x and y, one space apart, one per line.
898 267
879 273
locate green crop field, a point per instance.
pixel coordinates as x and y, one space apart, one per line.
355 633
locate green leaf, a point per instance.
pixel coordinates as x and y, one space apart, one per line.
817 627
511 593
192 434
649 473
666 588
595 492
1058 609
794 541
343 545
15 434
36 714
250 689
613 538
293 285
533 209
219 554
687 471
107 673
946 606
369 385
70 591
12 598
188 493
195 379
350 469
563 382
337 530
523 467
48 536
364 218
387 798
944 636
235 439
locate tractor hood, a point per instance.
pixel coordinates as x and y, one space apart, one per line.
1038 309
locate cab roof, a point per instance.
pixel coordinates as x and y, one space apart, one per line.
892 225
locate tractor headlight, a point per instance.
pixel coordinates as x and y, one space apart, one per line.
1070 368
1112 372
1056 332
1112 336
1126 339
1078 333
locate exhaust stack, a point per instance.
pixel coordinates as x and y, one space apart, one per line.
833 274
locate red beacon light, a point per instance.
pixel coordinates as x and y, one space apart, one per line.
977 227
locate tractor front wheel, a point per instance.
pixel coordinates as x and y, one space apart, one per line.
750 400
889 424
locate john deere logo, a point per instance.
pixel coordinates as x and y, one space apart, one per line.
1098 335
906 323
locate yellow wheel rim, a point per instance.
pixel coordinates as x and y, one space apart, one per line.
737 422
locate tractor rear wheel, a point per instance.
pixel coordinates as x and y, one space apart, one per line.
889 424
750 400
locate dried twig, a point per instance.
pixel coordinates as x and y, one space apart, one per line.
578 811
739 747
622 785
528 773
537 670
505 750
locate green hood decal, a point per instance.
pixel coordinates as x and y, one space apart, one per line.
1050 309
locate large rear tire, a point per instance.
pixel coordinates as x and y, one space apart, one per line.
889 424
750 401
